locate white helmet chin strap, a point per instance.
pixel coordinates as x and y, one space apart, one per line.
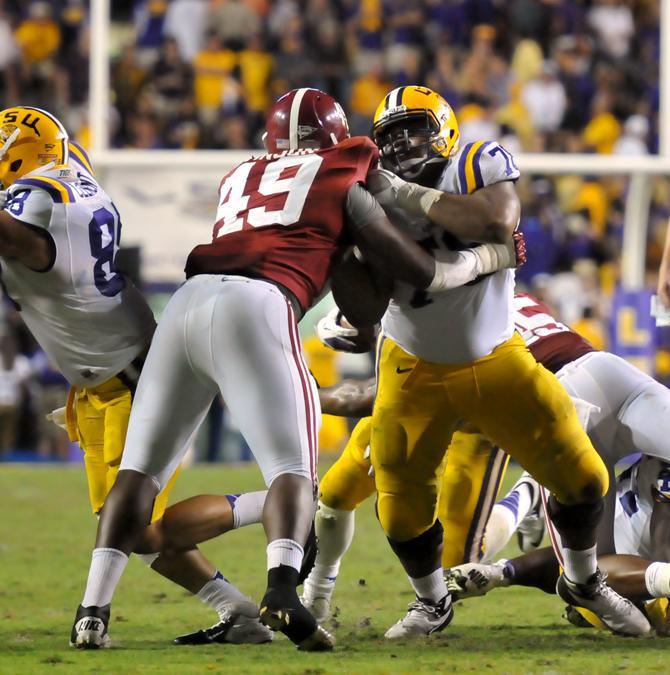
9 142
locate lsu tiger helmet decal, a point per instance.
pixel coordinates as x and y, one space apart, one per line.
415 130
30 139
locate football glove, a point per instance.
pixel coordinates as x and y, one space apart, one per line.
341 338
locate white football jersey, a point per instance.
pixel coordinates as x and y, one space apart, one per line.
89 319
638 489
465 323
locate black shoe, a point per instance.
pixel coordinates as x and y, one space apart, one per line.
281 610
89 630
235 630
309 557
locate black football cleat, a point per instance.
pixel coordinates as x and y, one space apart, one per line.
281 610
89 630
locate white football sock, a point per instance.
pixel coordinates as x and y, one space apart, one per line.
284 552
579 565
499 530
335 532
505 518
431 587
247 508
657 579
219 594
107 565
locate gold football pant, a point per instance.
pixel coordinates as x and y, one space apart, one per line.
101 419
472 476
348 482
507 396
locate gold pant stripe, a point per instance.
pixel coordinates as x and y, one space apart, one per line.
495 472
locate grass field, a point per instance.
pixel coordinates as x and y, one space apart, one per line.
46 535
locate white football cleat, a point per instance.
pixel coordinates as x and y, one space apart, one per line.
317 592
423 618
475 579
234 629
318 606
621 616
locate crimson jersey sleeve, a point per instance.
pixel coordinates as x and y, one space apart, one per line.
282 217
552 343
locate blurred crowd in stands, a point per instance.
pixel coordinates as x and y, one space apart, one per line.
539 75
564 75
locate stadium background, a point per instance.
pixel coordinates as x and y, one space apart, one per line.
169 95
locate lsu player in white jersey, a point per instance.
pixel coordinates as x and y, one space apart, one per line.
59 234
454 359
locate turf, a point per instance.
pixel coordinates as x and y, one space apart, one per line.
46 534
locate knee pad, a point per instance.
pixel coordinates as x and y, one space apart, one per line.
420 547
575 517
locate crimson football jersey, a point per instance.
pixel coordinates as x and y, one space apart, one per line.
550 342
282 217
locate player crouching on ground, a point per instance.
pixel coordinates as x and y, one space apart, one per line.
638 565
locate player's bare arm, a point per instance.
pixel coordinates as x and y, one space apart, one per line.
349 398
489 215
396 254
660 530
28 245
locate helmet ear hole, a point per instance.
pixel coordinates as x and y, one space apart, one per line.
15 165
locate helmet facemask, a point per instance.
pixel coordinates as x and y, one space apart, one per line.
406 145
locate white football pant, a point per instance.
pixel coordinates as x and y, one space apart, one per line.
237 336
631 414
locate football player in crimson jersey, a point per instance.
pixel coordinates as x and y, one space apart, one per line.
283 223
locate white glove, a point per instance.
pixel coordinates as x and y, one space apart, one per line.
384 185
333 334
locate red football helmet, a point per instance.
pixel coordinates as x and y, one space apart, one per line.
305 118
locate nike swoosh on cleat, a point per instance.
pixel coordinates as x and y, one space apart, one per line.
402 370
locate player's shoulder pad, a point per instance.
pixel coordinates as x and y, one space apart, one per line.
482 163
59 190
79 157
661 489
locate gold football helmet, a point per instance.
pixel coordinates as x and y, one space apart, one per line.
414 129
30 139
